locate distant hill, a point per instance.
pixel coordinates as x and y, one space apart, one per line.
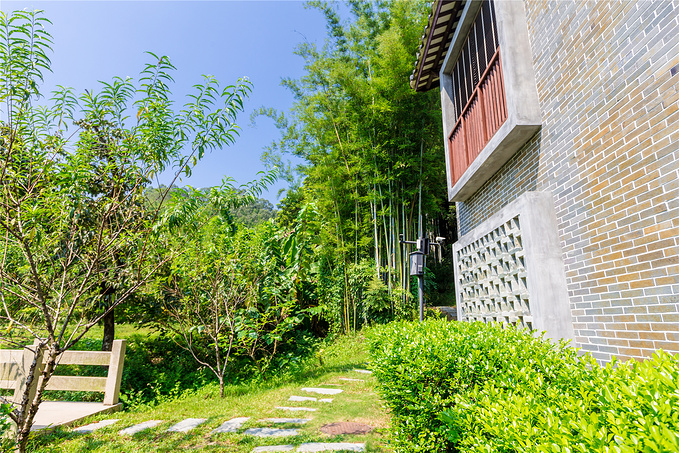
260 211
250 215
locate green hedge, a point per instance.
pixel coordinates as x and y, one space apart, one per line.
461 387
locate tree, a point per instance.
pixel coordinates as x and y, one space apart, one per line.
255 213
370 144
206 285
70 199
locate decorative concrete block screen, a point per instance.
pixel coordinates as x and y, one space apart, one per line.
493 276
509 269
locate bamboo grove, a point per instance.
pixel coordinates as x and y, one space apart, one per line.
372 157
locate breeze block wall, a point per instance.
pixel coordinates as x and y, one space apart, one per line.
607 76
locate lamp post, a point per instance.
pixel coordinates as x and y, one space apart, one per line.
418 261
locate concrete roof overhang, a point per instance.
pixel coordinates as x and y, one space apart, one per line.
434 43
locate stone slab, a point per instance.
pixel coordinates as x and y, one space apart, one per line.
134 429
331 446
301 409
274 448
358 370
302 398
231 426
187 425
325 400
95 426
299 421
322 391
270 432
351 380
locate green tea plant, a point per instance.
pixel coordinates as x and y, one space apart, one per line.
474 387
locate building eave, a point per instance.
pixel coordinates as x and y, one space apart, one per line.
434 43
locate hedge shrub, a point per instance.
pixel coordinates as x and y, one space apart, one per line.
473 387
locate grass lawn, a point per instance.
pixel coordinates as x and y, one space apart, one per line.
358 403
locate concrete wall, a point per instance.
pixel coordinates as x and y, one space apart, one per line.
509 269
607 76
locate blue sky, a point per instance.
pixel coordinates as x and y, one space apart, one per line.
96 40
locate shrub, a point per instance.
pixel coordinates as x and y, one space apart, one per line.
473 387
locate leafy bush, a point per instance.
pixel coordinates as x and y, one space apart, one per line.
461 387
156 369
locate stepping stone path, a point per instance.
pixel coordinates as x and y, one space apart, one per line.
293 409
139 427
231 426
95 426
322 391
270 432
186 425
309 398
236 424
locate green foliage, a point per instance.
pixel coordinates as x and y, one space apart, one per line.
253 214
6 444
481 388
367 141
78 238
158 369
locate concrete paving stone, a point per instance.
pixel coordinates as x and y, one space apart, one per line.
231 426
300 421
351 380
95 426
270 432
322 391
134 429
331 446
302 398
301 409
187 425
357 370
274 448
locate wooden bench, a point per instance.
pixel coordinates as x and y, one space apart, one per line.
15 365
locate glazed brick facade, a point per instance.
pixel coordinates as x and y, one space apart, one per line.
607 75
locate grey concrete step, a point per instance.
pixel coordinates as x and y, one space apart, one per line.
270 432
299 421
231 426
298 409
187 425
309 398
95 426
139 427
322 391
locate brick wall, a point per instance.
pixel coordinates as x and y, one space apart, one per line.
608 81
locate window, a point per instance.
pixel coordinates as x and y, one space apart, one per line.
488 93
479 104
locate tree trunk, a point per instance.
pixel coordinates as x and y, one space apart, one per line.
109 331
